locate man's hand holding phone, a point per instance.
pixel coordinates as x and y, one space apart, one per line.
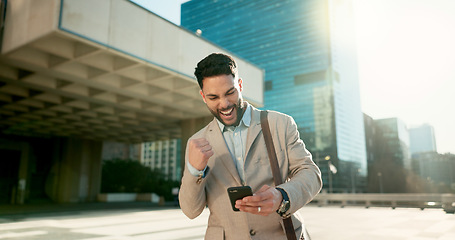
263 202
237 194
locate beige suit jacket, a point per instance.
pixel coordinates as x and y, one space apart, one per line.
301 176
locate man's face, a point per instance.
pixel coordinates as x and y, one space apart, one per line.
223 97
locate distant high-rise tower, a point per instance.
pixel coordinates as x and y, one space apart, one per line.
388 155
307 49
395 141
422 139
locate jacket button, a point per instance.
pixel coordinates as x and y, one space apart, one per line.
252 232
199 180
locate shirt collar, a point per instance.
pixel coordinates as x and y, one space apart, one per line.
246 119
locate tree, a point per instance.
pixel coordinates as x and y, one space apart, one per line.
119 176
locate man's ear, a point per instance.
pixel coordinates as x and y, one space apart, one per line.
240 84
203 96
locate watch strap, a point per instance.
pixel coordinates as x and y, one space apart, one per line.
283 193
285 204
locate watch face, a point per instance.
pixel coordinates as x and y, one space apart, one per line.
284 206
287 205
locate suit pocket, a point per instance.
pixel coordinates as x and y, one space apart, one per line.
215 233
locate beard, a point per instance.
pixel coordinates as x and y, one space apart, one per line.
239 109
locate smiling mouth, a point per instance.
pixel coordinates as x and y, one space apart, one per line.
227 113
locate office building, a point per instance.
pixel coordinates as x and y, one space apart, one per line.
389 161
164 155
374 175
394 143
77 73
307 49
422 139
370 136
436 170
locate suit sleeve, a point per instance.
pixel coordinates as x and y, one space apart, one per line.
192 195
304 177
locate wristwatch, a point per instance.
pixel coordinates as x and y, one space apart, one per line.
285 204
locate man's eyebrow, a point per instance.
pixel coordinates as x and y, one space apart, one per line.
232 88
214 95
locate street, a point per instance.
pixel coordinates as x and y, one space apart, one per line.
323 223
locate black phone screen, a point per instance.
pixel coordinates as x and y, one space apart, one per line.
236 193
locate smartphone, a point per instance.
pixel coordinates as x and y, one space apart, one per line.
236 193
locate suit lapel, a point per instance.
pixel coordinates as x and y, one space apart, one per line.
254 130
221 151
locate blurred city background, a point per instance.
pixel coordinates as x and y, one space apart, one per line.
98 98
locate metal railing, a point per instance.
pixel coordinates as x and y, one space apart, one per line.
393 200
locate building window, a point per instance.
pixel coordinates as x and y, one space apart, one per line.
268 85
309 78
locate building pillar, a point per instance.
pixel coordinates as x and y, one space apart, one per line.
22 183
190 127
76 174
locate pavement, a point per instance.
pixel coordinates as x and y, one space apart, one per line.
378 223
13 212
146 221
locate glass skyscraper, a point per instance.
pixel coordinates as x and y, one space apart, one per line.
422 139
395 137
307 49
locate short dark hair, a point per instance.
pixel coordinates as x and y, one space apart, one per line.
213 65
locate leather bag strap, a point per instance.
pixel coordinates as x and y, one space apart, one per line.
288 226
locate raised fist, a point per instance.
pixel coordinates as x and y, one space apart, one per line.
199 152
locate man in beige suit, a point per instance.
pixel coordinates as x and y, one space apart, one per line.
231 151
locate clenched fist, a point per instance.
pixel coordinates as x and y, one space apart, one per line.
199 152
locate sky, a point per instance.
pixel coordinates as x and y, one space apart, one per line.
406 60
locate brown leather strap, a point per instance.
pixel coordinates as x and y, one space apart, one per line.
270 149
288 226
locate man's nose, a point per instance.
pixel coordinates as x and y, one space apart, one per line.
224 103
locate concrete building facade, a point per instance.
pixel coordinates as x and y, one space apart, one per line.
75 73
